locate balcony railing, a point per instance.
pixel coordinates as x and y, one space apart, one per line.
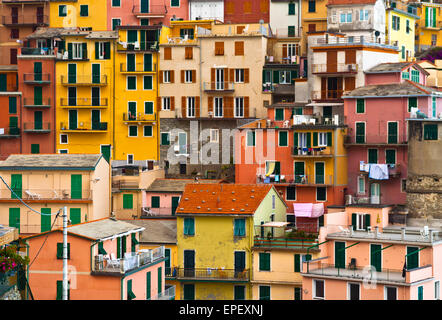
218 86
329 95
149 211
47 194
83 102
37 127
284 243
338 68
139 117
152 11
11 132
320 151
137 68
126 184
37 78
286 32
84 126
394 170
37 51
366 40
131 260
289 61
86 80
295 179
167 294
212 274
376 139
22 20
37 103
138 46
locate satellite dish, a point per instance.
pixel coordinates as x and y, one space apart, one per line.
377 33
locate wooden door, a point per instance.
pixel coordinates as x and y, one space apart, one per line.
332 61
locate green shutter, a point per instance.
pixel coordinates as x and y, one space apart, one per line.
167 263
165 139
128 201
264 261
339 254
60 250
279 114
283 138
84 10
131 83
37 71
16 186
107 50
59 290
13 105
264 292
360 132
118 248
84 50
392 132
148 83
130 294
123 246
239 293
38 120
72 73
189 226
297 263
35 148
76 186
75 215
329 139
367 221
155 202
309 139
360 106
353 220
420 293
160 280
97 50
295 139
38 96
101 249
298 293
62 10
130 62
45 219
14 218
275 76
427 17
376 256
147 62
372 155
96 76
315 139
390 156
148 285
148 131
132 36
291 8
430 132
319 172
434 17
189 292
412 258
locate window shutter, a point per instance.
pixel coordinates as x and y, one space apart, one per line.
367 221
275 76
210 104
107 50
246 107
295 139
329 139
172 103
427 17
172 76
197 106
309 140
182 76
246 75
353 220
183 107
232 74
284 50
97 50
84 49
160 76
297 263
434 17
69 50
315 139
118 248
193 76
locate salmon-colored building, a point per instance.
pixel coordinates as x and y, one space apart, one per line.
104 262
363 257
246 11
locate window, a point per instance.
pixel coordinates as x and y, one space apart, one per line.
405 75
290 194
239 107
430 132
273 201
430 17
148 132
360 105
312 6
360 132
214 135
12 105
218 107
60 250
15 33
84 10
188 76
372 155
35 148
291 31
148 107
264 261
318 289
166 103
102 50
239 75
250 138
353 291
166 76
420 293
390 293
63 138
273 167
321 193
392 129
128 201
239 293
433 40
188 53
219 48
62 151
403 185
239 48
415 75
239 228
155 202
188 292
116 3
115 22
412 103
285 77
264 292
390 156
62 10
147 82
395 23
189 226
165 138
77 51
283 140
346 17
298 293
361 185
131 83
133 131
363 15
291 9
130 159
360 221
279 114
187 33
322 139
174 3
168 53
60 290
437 290
407 26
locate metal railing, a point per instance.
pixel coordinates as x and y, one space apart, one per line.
321 151
84 126
138 46
167 294
295 179
218 86
284 243
75 80
9 132
367 40
25 20
286 33
84 102
213 274
36 127
139 117
162 211
37 103
124 184
375 139
340 67
47 194
37 51
37 78
131 260
327 94
153 10
137 68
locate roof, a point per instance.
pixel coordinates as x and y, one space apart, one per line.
157 231
393 67
242 199
67 161
406 88
174 185
350 2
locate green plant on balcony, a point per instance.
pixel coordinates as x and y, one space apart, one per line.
10 259
301 234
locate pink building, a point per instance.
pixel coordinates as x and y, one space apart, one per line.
104 263
377 137
145 12
365 258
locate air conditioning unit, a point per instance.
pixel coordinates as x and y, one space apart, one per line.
348 199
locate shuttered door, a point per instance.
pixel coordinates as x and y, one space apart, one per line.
148 286
95 119
189 263
37 71
240 261
72 98
106 152
375 254
38 120
144 6
160 280
72 73
16 186
299 171
167 263
147 62
332 61
72 119
3 82
45 219
319 173
75 215
76 186
189 292
96 73
14 218
412 258
38 96
175 202
264 292
239 293
392 132
130 60
339 254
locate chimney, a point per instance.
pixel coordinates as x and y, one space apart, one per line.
402 233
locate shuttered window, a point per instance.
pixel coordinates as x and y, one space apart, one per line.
264 292
291 8
167 53
60 250
360 106
239 229
250 138
430 132
84 10
165 139
279 114
189 226
264 261
283 139
360 132
297 263
128 201
45 219
239 48
219 48
372 155
155 202
390 156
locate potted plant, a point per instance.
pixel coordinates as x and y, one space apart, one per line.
10 260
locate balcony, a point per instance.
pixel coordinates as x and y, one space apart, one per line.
8 133
212 274
380 140
283 243
317 120
154 11
37 51
43 195
346 68
328 95
126 184
37 103
316 152
37 78
105 264
137 68
134 118
394 170
307 180
218 87
137 46
37 127
84 80
84 127
83 102
25 20
286 33
152 212
167 294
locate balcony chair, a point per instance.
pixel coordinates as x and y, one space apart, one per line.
345 230
32 195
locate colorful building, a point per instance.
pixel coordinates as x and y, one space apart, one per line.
9 278
363 257
246 11
89 15
206 10
216 225
105 261
314 19
434 78
377 137
428 26
49 182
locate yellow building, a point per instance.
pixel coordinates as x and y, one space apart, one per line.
215 232
429 25
314 19
400 28
136 91
79 14
85 92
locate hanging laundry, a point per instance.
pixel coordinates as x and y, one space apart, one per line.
378 171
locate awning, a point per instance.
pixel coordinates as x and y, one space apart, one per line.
270 168
323 104
308 210
276 224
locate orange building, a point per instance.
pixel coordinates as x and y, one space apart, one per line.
104 262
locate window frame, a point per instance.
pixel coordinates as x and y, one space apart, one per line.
314 295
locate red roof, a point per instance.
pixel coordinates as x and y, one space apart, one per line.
222 198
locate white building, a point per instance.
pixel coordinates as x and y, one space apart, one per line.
206 10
